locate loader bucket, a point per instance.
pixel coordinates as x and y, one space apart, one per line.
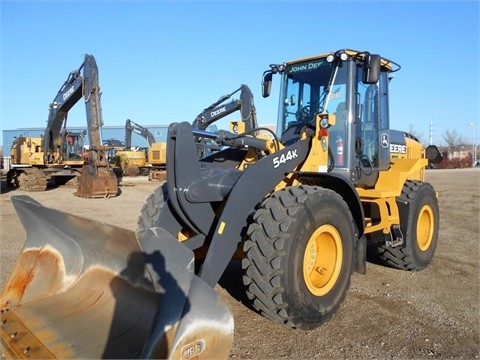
85 289
97 182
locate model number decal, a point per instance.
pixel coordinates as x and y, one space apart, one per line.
279 160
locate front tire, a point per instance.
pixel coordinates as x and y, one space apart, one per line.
299 256
150 212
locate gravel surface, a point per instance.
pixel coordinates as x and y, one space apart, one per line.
388 313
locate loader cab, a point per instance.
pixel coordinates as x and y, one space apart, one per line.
352 86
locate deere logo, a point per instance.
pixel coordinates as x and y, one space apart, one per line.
193 350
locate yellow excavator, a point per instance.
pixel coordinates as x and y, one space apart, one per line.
134 161
298 206
60 154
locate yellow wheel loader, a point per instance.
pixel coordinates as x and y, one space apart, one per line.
299 207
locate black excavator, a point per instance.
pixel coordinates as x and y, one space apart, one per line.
60 154
219 110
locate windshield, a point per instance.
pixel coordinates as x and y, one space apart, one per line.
74 146
311 87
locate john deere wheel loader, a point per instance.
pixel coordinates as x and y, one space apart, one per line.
298 207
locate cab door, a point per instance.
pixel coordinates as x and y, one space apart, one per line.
372 143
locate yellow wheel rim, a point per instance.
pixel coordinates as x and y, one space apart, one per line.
425 226
322 260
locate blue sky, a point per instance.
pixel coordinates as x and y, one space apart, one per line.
165 61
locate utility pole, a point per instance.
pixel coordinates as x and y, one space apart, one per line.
430 138
474 147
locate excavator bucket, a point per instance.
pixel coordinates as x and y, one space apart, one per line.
85 289
97 182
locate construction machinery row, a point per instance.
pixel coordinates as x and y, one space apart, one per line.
152 160
298 207
61 155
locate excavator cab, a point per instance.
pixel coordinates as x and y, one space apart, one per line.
73 146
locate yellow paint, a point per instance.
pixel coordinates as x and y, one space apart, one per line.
221 228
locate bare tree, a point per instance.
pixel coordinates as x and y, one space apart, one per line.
453 139
417 134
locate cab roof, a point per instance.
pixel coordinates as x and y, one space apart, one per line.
387 64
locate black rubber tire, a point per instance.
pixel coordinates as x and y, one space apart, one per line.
150 211
277 240
409 256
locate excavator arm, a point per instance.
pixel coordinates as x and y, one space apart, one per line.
138 129
97 179
219 110
82 82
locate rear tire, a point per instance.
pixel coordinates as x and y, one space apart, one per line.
299 256
419 227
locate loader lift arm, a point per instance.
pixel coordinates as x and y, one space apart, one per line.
194 184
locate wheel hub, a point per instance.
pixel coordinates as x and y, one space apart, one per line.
425 226
322 260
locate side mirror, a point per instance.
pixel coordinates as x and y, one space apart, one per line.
267 84
293 99
371 69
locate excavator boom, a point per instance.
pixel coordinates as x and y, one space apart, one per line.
97 179
219 110
140 130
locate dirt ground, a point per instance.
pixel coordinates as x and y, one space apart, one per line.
388 313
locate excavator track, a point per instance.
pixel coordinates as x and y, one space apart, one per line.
30 179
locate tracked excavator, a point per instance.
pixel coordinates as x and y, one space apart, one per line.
132 162
299 208
60 154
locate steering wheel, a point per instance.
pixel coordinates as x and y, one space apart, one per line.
304 115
